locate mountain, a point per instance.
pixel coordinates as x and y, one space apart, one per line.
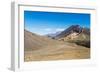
75 34
41 48
73 29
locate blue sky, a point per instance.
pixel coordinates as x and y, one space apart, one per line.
50 22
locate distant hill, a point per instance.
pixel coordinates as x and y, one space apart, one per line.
52 35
